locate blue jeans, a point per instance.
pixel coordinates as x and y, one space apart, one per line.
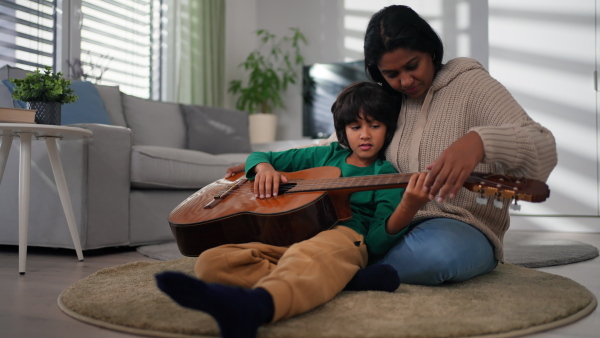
441 250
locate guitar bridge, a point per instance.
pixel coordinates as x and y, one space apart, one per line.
221 195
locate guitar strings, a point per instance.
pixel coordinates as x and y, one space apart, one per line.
343 182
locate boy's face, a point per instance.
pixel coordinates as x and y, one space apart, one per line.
366 138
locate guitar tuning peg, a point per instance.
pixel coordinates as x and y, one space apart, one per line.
498 203
481 200
515 206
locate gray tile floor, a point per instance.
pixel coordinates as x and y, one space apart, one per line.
28 303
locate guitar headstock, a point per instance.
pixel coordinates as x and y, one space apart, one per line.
501 186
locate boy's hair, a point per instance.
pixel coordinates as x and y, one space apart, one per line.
370 99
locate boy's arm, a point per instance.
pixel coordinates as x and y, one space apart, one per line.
323 142
414 198
266 178
264 167
384 233
266 181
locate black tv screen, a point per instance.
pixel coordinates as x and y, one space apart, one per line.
322 82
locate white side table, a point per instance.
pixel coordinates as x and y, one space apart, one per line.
50 133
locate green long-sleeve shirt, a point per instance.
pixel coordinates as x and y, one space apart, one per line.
370 209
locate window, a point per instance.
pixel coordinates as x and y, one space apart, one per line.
27 30
117 35
110 42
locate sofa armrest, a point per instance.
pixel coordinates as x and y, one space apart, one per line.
108 183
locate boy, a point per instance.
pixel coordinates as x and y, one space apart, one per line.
246 285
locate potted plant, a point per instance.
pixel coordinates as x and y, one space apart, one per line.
272 66
45 93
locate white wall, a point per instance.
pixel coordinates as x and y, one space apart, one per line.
545 54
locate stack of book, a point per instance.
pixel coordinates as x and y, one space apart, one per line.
16 115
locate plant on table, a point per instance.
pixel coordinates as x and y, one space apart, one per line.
43 87
44 92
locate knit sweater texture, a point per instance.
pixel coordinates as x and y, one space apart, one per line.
463 98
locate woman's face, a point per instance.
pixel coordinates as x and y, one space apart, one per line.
407 71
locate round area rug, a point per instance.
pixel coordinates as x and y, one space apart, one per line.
509 301
540 249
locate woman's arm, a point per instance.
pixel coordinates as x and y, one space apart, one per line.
502 134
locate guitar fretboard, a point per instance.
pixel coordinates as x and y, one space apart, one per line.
381 181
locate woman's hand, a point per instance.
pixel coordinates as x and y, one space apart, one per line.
266 181
235 169
450 170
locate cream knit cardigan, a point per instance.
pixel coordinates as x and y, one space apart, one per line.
464 98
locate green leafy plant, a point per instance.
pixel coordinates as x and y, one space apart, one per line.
43 87
272 66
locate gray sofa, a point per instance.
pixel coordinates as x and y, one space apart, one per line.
125 180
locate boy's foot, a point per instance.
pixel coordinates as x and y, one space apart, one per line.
379 277
238 311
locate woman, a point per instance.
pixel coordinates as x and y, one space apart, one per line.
454 119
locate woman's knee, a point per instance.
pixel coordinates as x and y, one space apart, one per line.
440 251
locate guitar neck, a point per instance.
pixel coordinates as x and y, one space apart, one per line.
500 186
356 183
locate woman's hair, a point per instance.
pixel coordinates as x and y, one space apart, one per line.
370 100
396 27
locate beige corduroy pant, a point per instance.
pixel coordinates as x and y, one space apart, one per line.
299 278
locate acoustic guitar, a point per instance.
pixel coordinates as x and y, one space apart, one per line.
313 200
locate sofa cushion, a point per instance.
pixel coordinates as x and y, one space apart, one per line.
216 130
11 89
111 96
154 123
6 73
170 168
89 107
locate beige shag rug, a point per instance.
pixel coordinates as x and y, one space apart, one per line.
509 301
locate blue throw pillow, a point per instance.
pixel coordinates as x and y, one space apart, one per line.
88 108
11 88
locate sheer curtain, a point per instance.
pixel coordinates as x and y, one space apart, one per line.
195 53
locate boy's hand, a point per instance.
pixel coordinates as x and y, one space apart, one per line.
266 181
413 199
235 169
415 196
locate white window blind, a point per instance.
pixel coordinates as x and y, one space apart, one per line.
27 30
116 35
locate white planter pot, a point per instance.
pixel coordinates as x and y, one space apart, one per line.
263 128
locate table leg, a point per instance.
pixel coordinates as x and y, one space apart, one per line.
63 192
4 151
24 182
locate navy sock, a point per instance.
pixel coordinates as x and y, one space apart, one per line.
238 311
379 277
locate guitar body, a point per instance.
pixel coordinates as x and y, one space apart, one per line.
239 217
